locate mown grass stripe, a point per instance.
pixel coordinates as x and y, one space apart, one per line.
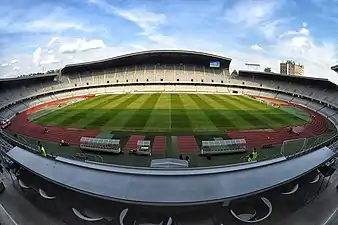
111 114
273 114
139 119
199 121
178 116
159 119
80 113
64 112
118 122
219 121
248 117
96 112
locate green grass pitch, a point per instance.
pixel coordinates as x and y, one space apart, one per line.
170 113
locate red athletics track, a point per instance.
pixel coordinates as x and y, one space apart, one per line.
21 125
254 138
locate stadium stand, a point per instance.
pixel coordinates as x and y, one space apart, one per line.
158 71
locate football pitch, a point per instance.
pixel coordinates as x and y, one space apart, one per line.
170 113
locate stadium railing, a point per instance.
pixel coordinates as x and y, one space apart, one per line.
330 141
16 142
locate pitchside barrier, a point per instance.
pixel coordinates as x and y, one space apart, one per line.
290 147
4 148
296 146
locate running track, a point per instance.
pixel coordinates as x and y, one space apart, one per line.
254 138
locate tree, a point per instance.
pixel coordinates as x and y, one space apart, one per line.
267 70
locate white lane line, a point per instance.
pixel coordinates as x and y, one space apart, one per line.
328 219
9 216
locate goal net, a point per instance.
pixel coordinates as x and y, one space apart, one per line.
290 147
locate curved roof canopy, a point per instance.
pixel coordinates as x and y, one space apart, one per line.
170 187
335 68
9 82
149 57
291 78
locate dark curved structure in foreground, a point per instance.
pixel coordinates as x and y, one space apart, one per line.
170 187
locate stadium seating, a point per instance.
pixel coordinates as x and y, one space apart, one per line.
31 93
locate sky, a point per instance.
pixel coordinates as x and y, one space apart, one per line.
39 35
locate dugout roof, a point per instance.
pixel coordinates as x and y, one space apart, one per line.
143 143
88 140
163 187
149 57
223 142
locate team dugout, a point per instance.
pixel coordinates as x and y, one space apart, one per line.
223 146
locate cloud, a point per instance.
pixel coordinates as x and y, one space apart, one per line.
13 61
147 20
257 16
16 68
89 45
270 29
81 45
68 48
50 59
59 19
256 47
302 31
37 56
53 25
164 40
52 41
252 12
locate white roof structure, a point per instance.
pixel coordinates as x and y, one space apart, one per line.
100 141
143 143
223 142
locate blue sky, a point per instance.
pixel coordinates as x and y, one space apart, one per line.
38 35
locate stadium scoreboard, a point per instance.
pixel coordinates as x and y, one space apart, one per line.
215 64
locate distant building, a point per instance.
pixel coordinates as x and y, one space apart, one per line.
267 70
291 68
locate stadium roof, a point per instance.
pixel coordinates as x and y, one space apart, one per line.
335 68
25 78
283 76
142 57
170 187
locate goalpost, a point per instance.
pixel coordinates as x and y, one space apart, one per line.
290 147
